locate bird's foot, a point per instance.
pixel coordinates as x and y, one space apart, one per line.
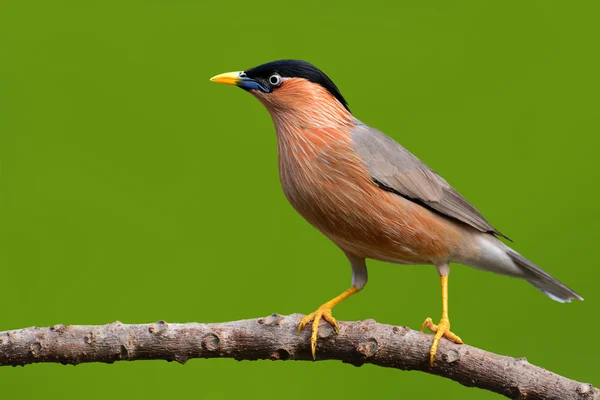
322 312
441 329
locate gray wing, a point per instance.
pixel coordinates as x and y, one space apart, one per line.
395 169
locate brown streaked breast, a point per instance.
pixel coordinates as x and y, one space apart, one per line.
325 181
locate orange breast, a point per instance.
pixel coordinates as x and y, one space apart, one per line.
325 181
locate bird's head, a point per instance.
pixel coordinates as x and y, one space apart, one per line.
292 90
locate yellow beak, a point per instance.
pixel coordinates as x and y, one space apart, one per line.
228 78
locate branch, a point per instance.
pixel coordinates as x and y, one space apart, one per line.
275 338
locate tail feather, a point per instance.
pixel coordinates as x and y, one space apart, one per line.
542 280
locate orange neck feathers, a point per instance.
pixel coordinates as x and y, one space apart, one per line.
300 104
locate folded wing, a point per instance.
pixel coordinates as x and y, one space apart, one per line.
395 169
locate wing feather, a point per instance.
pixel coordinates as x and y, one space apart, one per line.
396 169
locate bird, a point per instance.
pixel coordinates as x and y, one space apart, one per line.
372 197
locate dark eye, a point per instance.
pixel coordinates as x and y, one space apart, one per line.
275 80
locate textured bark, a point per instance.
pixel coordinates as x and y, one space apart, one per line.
275 338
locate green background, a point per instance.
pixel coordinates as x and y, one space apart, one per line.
133 189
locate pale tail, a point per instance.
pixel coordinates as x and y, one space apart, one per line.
542 280
495 256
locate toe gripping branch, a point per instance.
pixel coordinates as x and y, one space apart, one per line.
442 329
324 312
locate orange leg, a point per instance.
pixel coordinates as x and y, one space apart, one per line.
443 327
324 312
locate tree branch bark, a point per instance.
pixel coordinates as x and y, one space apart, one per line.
275 338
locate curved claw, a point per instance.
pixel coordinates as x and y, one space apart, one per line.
322 312
441 330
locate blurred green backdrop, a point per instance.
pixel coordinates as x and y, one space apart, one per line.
132 188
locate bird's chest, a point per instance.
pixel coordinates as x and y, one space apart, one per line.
326 183
310 170
312 186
